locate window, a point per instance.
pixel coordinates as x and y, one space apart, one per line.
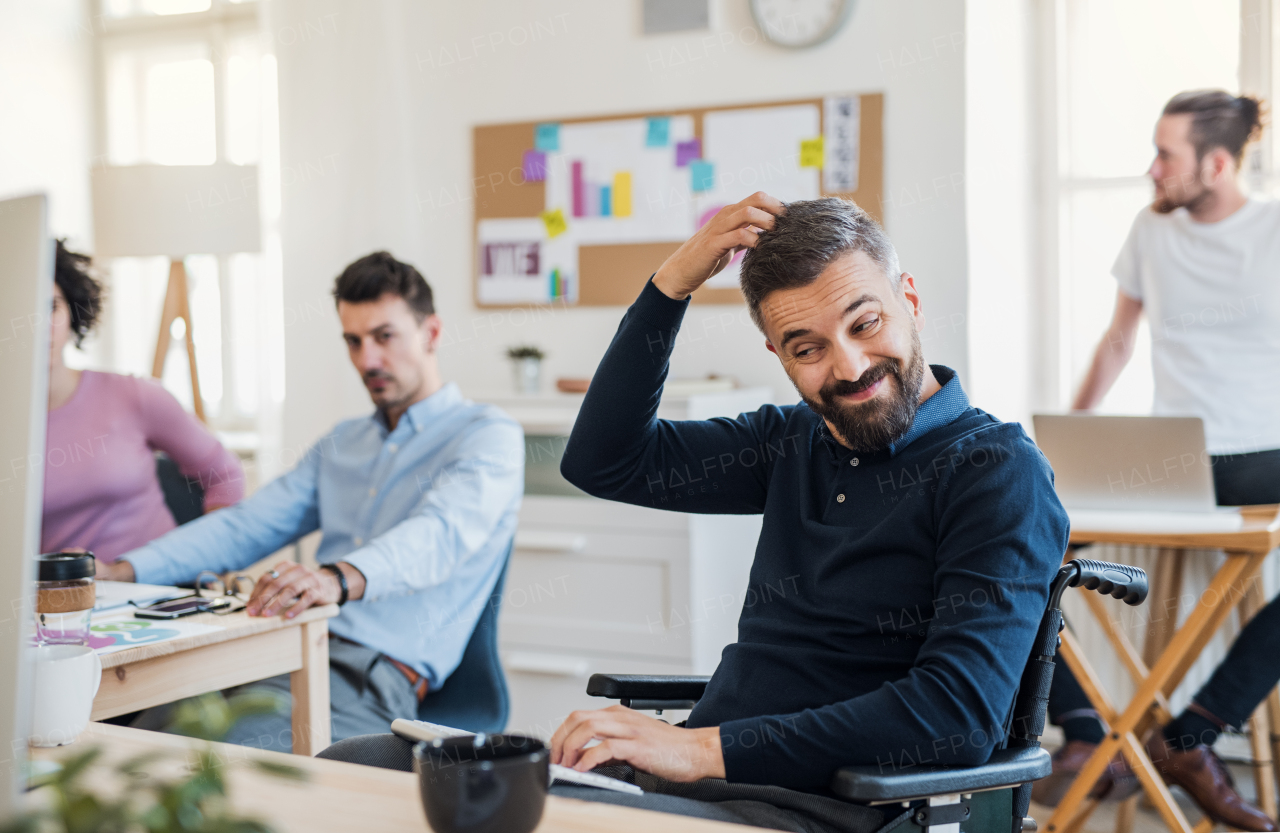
1103 149
187 82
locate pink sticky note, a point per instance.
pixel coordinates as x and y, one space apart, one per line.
535 166
579 190
688 151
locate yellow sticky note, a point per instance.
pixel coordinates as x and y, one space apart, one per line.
622 194
554 221
811 153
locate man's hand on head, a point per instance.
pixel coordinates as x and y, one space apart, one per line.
712 247
645 742
294 588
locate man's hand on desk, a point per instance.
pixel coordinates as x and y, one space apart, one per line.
712 247
644 742
294 588
116 571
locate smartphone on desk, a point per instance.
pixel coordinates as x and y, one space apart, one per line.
185 606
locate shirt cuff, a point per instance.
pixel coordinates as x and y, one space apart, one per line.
654 306
377 577
740 742
151 567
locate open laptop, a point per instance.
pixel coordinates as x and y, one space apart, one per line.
26 291
1133 472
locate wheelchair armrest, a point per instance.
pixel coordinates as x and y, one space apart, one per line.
649 691
1007 768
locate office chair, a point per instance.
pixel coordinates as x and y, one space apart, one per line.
475 696
183 496
992 798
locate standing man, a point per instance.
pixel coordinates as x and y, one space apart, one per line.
1203 263
417 504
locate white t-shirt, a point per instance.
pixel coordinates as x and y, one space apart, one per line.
1211 292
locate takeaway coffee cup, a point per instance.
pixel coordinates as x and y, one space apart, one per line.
66 681
483 784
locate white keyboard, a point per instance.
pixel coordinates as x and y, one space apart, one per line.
422 730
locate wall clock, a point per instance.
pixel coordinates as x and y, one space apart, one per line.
799 24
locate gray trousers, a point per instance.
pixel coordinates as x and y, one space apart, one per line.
775 808
366 692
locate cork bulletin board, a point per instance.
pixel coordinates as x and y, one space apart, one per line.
517 165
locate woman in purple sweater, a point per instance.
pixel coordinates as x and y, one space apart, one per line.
100 487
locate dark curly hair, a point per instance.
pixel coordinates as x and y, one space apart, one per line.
72 272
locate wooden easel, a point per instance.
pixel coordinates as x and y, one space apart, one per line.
177 305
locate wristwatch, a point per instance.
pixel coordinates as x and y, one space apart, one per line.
342 581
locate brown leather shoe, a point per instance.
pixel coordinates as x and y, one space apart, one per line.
1205 778
1117 782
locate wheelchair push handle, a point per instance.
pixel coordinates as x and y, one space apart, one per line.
1118 580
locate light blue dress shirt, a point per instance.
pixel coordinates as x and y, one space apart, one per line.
426 512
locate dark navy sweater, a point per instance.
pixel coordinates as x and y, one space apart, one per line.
894 596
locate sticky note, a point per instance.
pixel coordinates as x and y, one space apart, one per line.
688 151
535 166
659 134
622 194
547 136
554 222
703 174
811 153
606 201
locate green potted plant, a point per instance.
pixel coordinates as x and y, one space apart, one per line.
192 802
526 365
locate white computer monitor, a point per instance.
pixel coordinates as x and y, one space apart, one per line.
26 292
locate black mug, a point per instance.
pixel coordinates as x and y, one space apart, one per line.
483 783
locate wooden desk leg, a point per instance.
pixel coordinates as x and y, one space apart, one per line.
1223 593
1166 588
310 687
1264 777
1273 713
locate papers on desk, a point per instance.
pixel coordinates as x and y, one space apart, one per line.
416 730
116 594
1149 522
117 630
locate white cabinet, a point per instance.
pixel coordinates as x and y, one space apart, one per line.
596 586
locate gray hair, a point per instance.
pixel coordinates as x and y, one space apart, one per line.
805 239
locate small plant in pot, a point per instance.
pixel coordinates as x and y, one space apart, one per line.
526 366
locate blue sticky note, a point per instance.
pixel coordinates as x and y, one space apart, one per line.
703 174
659 132
606 201
547 136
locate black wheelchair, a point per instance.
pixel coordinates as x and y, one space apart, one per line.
992 798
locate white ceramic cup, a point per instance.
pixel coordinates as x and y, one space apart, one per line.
67 679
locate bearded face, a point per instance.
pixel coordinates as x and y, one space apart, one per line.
878 422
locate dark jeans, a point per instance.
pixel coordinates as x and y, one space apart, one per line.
1252 666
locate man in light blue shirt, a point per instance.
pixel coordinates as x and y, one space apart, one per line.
417 505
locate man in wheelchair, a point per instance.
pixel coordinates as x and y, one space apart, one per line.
917 536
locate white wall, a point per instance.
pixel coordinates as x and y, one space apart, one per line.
377 105
44 98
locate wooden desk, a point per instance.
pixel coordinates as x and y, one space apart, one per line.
248 649
1160 672
342 796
